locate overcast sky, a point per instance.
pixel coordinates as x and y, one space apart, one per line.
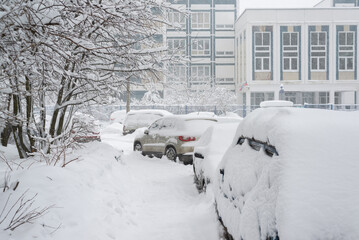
243 4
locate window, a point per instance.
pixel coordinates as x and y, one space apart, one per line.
177 73
346 51
258 97
308 97
318 51
177 19
323 97
224 75
224 47
200 74
176 46
262 50
290 48
200 47
291 96
200 20
224 20
337 98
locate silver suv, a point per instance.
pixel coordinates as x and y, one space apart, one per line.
173 136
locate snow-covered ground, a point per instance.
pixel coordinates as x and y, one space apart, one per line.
103 197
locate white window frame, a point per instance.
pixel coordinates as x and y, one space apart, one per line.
197 79
177 73
292 52
196 49
346 49
180 50
200 20
175 18
318 49
260 50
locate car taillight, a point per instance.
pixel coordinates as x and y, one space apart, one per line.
186 139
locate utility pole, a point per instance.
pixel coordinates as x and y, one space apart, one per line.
128 91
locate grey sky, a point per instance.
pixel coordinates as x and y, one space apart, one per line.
243 4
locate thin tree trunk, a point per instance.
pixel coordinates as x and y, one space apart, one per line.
128 91
58 103
6 132
29 114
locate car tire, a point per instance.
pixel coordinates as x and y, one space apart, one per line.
171 153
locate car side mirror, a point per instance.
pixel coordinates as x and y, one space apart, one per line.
146 132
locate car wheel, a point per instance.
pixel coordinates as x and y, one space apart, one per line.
171 153
137 146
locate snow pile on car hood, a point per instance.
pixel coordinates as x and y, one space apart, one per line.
310 190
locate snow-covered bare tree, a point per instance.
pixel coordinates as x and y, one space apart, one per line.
69 53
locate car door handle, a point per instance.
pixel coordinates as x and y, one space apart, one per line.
198 155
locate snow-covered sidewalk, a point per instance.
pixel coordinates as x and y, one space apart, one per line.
163 202
101 198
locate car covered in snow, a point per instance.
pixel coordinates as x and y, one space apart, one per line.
202 114
209 151
142 118
291 173
173 136
118 116
85 128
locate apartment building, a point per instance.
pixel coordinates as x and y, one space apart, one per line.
205 36
312 54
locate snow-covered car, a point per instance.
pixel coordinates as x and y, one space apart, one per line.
209 151
142 118
85 128
173 136
291 174
118 116
202 114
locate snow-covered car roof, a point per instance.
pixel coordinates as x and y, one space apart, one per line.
203 114
150 111
276 103
142 118
317 170
118 116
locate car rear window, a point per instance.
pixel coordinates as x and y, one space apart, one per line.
198 126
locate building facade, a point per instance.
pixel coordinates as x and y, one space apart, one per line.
311 53
206 38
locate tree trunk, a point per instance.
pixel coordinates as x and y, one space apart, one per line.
6 131
29 114
128 91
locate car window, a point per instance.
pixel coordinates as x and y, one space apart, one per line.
156 125
168 124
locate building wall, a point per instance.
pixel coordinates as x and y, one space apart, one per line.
209 47
313 53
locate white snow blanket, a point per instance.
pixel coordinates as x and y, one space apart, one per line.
111 193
